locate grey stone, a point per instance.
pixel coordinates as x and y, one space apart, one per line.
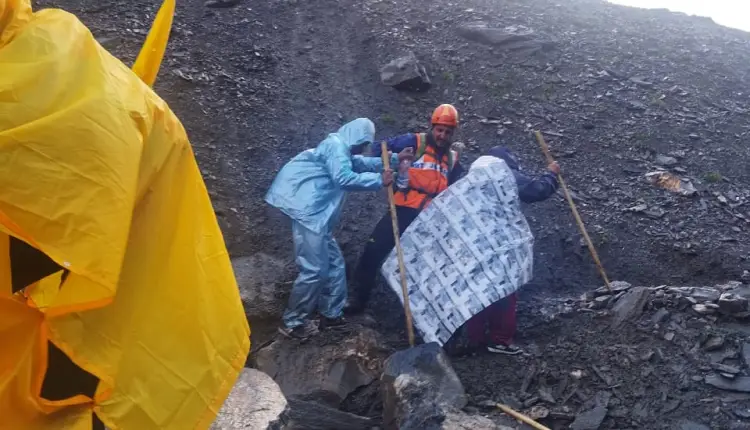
264 284
732 304
327 373
692 425
593 412
221 3
420 388
746 353
664 160
630 306
660 316
255 402
512 38
463 421
705 294
740 384
406 73
713 343
315 416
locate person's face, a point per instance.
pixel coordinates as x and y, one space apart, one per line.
443 135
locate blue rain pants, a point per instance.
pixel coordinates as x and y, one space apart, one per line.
321 283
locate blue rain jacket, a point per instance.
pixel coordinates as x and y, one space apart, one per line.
310 188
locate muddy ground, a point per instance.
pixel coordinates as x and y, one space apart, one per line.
620 93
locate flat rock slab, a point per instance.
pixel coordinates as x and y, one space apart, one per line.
324 369
630 306
255 402
594 412
315 416
739 384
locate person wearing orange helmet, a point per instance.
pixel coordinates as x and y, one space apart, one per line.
434 167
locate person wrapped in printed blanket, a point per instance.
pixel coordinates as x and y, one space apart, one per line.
494 327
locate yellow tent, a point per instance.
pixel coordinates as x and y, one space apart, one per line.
117 297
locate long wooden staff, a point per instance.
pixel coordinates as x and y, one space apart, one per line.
592 249
399 251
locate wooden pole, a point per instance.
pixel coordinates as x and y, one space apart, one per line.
521 417
592 249
399 251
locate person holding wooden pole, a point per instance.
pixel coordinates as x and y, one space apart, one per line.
435 167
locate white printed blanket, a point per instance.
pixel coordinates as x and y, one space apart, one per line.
468 249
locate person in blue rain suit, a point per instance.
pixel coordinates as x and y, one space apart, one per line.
310 189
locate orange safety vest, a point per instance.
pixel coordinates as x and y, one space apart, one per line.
428 176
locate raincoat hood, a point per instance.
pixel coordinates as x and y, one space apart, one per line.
310 188
14 14
506 155
357 132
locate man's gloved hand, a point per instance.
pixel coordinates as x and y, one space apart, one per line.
387 176
554 167
406 155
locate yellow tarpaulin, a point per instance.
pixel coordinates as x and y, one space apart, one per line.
133 282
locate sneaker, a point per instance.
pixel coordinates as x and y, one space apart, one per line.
504 349
326 323
301 332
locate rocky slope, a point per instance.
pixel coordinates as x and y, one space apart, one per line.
619 93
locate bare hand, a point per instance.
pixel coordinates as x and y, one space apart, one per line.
387 177
554 167
406 154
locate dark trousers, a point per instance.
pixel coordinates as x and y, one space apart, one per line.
496 323
379 245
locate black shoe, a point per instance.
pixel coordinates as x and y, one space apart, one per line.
326 323
302 332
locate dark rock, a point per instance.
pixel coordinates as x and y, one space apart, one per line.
593 412
745 352
315 416
264 285
509 38
406 74
732 304
420 388
326 373
713 343
221 3
630 306
255 402
740 384
664 160
692 425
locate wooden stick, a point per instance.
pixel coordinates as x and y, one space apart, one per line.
573 208
399 251
521 417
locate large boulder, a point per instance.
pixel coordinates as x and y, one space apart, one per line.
515 38
264 284
255 402
406 73
420 389
328 367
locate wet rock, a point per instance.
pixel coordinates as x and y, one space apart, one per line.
664 160
732 304
692 425
705 294
221 3
740 384
745 352
630 306
327 373
406 74
713 343
512 38
255 402
263 283
315 416
593 412
420 388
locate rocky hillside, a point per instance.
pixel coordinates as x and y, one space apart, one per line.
620 92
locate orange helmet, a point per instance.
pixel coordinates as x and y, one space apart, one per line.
445 115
